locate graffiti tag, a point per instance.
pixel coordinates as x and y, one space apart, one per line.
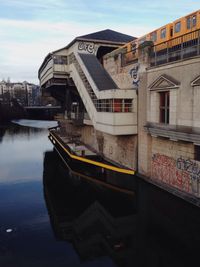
181 173
88 47
135 75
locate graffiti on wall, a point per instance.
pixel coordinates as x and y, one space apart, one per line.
135 75
88 47
181 173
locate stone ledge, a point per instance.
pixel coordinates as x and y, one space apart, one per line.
174 133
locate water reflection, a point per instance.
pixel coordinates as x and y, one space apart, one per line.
21 153
96 220
36 123
97 226
14 131
152 228
2 132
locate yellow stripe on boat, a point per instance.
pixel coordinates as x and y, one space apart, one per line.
103 165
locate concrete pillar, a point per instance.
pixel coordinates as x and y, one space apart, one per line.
144 140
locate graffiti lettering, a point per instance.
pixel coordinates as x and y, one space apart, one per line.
134 75
183 174
89 47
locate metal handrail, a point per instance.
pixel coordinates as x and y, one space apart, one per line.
177 48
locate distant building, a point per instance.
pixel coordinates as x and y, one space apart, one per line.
27 94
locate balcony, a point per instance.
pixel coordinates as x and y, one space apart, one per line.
54 71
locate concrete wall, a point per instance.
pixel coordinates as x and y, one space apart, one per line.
173 163
169 163
184 99
119 149
123 76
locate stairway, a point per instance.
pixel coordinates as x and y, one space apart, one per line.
95 87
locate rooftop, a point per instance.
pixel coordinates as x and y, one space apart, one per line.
107 35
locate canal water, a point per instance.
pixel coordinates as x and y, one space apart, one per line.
51 216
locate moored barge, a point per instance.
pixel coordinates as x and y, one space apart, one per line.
86 161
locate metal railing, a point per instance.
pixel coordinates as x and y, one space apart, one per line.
114 105
185 46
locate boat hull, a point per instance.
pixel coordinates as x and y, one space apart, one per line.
94 167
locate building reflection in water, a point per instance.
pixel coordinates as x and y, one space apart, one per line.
151 228
13 131
96 220
2 132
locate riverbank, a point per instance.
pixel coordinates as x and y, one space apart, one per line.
8 113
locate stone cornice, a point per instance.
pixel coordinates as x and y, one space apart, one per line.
174 133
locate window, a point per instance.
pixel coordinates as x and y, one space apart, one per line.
62 60
188 21
171 31
117 105
164 107
153 36
128 105
178 27
197 153
194 21
163 33
191 21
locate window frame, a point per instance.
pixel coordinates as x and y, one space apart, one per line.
188 23
153 36
163 33
192 20
177 27
164 108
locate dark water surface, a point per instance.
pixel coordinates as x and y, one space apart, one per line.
51 217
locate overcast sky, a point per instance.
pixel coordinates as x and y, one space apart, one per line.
29 30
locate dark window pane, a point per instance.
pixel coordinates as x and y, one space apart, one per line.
164 107
188 23
178 26
162 99
194 21
197 153
163 33
153 36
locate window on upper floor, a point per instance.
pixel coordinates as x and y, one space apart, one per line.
164 107
61 60
191 21
177 27
153 36
194 20
163 33
188 22
128 105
